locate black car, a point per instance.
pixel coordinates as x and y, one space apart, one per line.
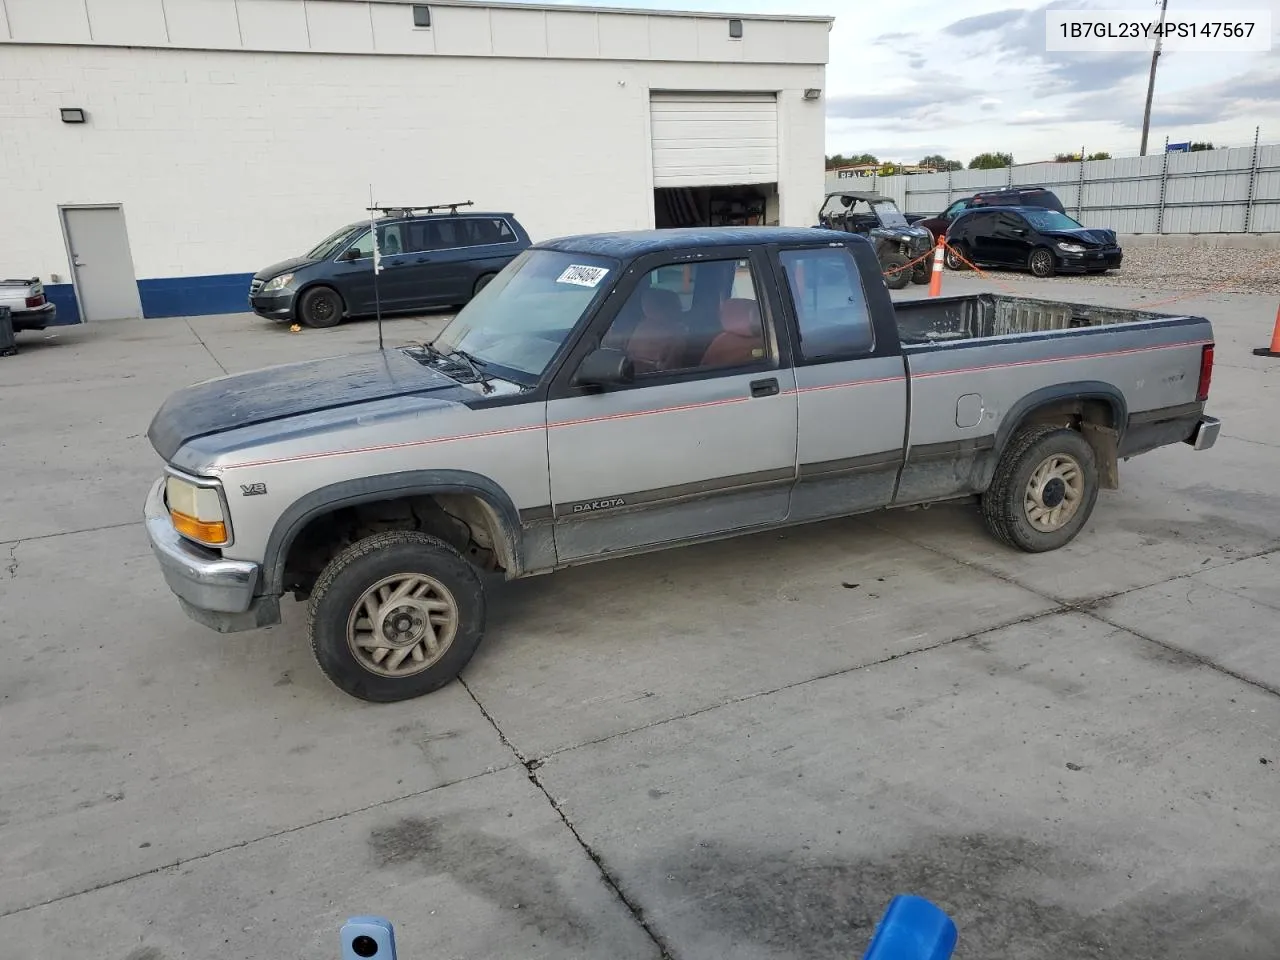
1030 238
429 259
1013 197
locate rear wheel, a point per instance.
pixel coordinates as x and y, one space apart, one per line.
395 616
1044 489
952 258
1041 262
320 307
895 276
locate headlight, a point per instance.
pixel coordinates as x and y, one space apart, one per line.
1070 247
196 511
277 283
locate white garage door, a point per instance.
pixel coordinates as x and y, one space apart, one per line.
714 139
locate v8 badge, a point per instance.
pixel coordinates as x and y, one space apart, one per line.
253 489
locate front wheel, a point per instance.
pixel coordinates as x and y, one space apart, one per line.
895 277
395 616
922 271
1041 263
320 307
1044 489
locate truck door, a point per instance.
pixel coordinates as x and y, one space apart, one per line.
704 440
851 390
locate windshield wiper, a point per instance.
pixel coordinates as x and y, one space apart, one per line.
473 365
458 358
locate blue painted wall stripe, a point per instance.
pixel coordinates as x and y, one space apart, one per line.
170 296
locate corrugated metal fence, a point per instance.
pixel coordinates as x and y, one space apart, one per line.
1235 190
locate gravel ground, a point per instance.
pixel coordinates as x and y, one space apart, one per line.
1225 271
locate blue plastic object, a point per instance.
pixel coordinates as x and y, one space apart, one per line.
912 929
368 938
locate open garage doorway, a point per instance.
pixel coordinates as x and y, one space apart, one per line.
751 205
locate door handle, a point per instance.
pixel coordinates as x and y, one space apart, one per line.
424 260
764 388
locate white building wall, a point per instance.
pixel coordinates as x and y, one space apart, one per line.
228 159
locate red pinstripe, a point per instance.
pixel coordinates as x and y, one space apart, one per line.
629 414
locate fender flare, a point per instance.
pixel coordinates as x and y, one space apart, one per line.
387 486
1078 390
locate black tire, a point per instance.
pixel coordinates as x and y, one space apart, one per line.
921 272
320 307
1005 502
1042 263
895 278
482 282
356 570
952 261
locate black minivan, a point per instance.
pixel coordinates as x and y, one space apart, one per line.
428 260
1030 238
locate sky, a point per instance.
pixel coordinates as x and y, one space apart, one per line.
917 77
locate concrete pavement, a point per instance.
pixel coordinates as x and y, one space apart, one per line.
739 749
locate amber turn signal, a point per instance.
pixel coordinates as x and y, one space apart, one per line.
213 532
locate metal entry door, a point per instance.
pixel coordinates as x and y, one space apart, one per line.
101 263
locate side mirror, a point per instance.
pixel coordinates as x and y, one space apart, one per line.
604 367
352 254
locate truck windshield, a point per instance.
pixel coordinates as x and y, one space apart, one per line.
515 325
1051 220
329 245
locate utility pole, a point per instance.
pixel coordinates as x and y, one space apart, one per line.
1151 81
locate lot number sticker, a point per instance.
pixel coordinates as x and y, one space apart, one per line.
583 276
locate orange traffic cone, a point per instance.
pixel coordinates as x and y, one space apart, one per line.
935 279
1274 349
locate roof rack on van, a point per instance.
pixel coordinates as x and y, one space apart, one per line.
410 211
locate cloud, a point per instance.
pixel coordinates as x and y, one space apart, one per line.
1249 95
1018 38
919 100
983 23
891 39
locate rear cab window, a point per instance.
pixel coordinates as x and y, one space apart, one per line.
832 315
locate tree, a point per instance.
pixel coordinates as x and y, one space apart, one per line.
1201 145
889 169
1066 158
1100 155
840 160
991 161
938 162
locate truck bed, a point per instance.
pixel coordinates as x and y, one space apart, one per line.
988 315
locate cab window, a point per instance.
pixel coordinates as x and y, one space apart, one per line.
831 306
692 317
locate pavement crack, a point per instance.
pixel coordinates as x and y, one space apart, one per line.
531 767
240 844
745 698
70 533
212 355
1088 607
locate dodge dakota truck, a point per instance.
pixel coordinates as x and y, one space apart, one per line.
617 393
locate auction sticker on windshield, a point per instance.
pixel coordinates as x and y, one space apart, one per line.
583 276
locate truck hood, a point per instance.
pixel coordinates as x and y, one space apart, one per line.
1093 238
284 266
276 393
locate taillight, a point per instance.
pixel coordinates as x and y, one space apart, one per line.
36 301
1206 373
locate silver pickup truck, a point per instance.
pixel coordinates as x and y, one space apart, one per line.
618 393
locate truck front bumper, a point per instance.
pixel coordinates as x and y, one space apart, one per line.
212 590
